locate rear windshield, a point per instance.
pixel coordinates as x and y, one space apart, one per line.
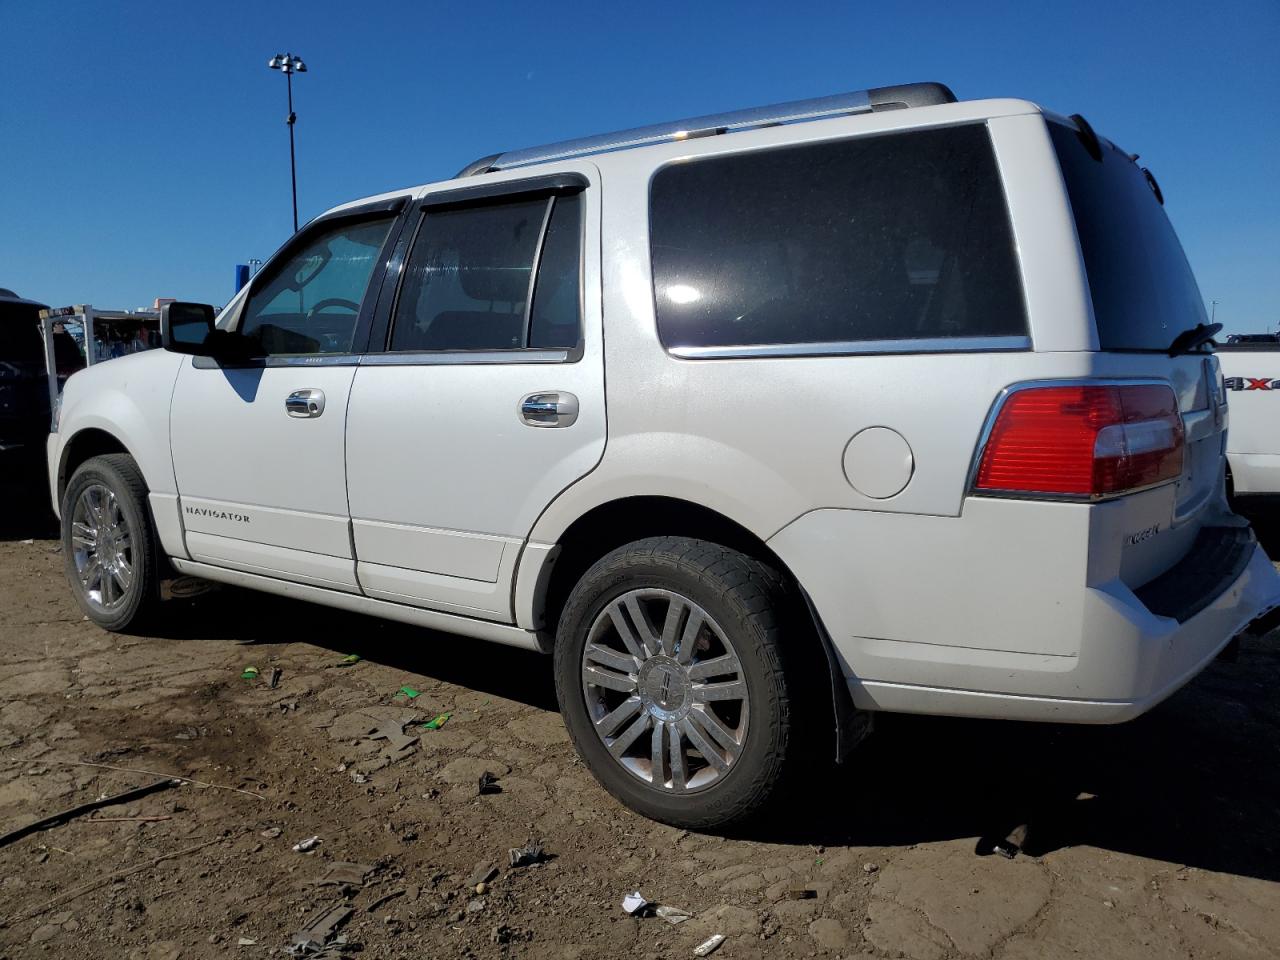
895 237
1144 293
20 333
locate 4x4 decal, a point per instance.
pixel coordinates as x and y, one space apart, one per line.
1250 383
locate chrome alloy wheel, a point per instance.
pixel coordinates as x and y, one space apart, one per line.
102 547
665 690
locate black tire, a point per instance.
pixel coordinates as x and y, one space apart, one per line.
750 603
139 600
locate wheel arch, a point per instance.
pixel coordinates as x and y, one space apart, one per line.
95 441
609 525
83 445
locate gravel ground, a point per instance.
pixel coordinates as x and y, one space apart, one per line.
1155 839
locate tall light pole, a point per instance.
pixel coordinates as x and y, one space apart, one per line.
1213 305
288 64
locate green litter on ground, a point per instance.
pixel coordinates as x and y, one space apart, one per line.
349 659
408 692
436 722
250 673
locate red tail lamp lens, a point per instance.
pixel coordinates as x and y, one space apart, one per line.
1083 441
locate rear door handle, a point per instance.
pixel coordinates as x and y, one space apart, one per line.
305 403
549 409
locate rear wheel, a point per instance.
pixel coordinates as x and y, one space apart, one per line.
670 679
107 542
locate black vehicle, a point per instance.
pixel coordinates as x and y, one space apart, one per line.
24 383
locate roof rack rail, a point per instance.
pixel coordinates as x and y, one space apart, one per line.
795 111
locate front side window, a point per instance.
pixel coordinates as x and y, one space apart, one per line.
468 286
900 236
311 301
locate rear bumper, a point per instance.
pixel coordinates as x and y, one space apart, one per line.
1152 664
990 621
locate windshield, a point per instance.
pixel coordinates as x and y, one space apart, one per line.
1144 293
20 333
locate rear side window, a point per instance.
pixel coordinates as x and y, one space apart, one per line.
1144 293
469 280
896 237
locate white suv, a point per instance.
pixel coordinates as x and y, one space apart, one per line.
759 422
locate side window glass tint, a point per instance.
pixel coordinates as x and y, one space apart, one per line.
557 298
890 237
1144 293
312 300
466 284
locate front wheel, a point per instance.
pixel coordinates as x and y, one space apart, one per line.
670 680
107 542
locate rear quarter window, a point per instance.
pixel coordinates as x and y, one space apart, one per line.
900 236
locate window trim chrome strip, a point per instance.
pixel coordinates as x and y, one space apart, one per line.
293 360
314 360
457 357
846 348
535 270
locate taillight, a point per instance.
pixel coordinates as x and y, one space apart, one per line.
1083 441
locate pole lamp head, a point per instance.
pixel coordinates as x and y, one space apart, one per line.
287 63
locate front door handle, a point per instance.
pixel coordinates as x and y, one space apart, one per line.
549 409
305 403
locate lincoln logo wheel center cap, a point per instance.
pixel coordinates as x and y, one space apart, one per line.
665 688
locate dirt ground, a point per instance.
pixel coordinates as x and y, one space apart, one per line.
1155 839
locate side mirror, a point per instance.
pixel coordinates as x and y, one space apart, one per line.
185 328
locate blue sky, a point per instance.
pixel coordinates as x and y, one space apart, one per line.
143 150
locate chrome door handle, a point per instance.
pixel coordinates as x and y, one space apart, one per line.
549 409
305 403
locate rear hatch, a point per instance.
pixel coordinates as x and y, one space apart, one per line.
24 391
1145 298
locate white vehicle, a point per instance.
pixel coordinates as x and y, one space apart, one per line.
1251 375
759 422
